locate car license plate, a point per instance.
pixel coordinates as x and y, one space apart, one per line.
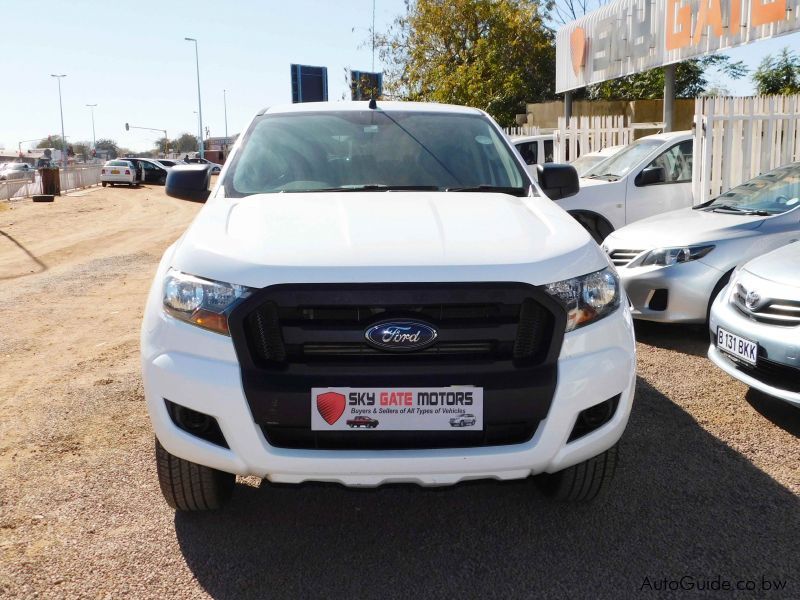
736 346
397 409
115 171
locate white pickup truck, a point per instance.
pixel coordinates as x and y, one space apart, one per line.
648 177
361 275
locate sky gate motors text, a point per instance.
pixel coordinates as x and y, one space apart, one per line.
401 398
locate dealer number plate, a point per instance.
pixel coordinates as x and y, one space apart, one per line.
397 409
739 347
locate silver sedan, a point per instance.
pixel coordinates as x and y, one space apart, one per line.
673 265
755 325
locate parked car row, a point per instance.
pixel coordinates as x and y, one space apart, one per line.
689 264
133 171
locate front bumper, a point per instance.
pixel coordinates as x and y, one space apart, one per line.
199 370
780 344
674 294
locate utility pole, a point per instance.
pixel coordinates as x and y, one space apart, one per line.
94 141
199 102
225 105
373 36
61 110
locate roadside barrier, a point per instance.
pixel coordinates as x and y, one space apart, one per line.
72 178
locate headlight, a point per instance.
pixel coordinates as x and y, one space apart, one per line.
201 302
665 257
587 298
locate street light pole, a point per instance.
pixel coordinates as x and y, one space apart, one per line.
225 105
199 102
61 110
94 140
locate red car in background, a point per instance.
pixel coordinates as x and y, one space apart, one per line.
362 421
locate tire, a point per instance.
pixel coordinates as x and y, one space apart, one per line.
43 198
187 486
104 184
582 482
162 180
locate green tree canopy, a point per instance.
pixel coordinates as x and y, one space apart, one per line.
108 145
492 54
83 150
52 141
778 74
185 143
691 80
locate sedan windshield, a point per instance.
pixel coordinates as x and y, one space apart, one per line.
618 165
772 193
373 150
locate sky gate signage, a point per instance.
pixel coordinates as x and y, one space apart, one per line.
631 36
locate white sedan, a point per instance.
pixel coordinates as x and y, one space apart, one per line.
118 171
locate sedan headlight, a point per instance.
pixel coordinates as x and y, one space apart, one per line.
587 298
201 302
664 257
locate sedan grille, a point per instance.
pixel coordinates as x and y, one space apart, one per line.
622 258
785 313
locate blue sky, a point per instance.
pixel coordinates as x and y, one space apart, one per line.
131 60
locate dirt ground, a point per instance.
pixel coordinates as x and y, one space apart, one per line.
708 486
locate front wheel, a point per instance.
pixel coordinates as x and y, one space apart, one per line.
104 184
582 482
187 486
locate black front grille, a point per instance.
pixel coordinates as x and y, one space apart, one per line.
278 334
775 374
503 337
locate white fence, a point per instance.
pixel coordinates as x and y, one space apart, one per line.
71 179
738 138
526 130
588 134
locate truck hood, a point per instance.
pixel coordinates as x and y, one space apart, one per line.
681 227
384 236
779 265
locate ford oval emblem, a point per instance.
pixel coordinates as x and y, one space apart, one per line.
400 336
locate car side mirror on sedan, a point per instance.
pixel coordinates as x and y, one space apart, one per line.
651 175
188 182
558 181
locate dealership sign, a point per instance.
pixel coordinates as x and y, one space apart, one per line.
631 36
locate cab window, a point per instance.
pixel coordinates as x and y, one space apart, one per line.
676 162
529 152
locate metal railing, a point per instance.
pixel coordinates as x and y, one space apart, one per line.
72 178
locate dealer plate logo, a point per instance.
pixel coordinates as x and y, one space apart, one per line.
401 336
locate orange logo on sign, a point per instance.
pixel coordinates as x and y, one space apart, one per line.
577 42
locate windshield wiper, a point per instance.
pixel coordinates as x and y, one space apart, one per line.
738 210
604 176
371 187
514 191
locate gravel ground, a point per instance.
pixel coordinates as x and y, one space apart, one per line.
708 486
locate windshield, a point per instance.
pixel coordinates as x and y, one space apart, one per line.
373 150
584 164
772 193
622 162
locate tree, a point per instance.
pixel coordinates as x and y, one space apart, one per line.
52 141
109 146
493 54
185 143
690 80
163 144
83 150
778 74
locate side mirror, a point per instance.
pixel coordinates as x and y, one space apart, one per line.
558 181
650 176
188 182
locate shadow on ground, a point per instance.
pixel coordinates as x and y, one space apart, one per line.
778 412
683 503
686 339
40 266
